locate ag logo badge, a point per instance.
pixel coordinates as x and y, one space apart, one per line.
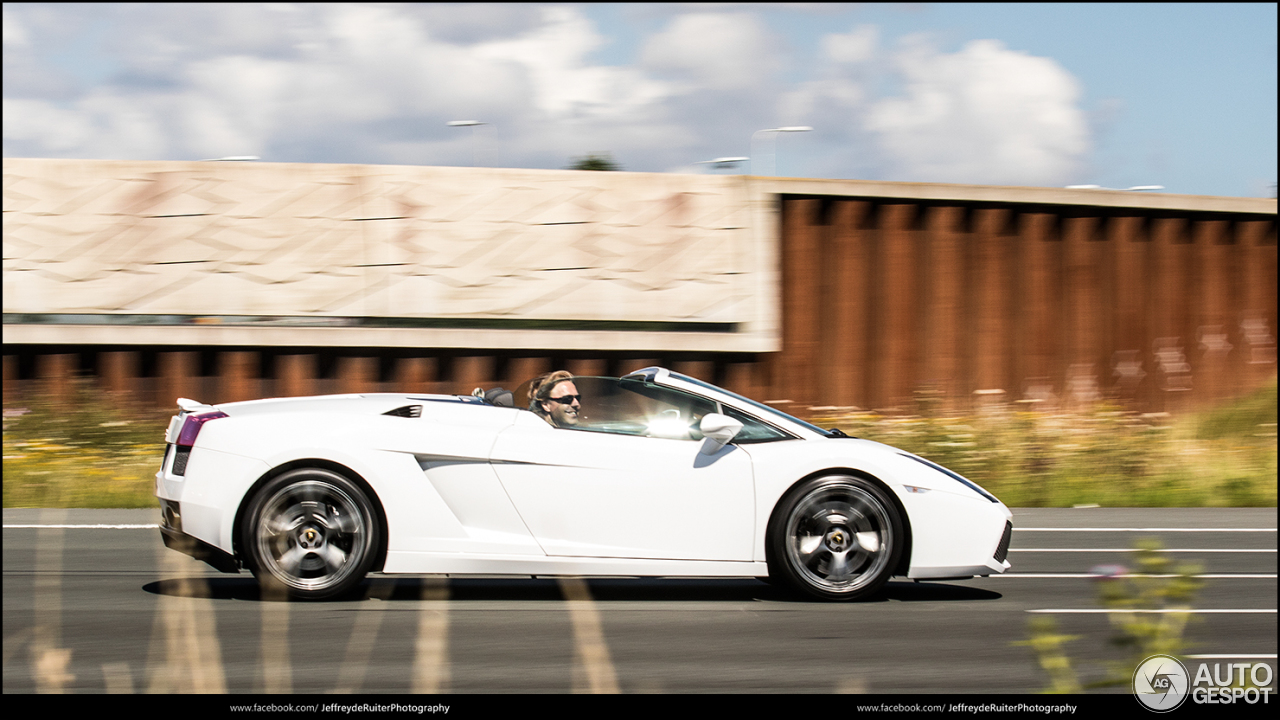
1161 683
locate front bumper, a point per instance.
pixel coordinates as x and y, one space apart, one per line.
995 565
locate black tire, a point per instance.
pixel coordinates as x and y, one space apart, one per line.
837 537
310 533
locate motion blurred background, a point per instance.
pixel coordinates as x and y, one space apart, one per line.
899 219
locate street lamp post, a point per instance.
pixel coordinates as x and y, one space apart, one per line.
723 162
1135 188
774 153
475 162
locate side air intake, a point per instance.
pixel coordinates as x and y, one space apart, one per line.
409 411
1003 550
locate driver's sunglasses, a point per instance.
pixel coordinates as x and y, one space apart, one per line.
566 399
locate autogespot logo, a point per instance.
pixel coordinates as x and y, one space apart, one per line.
1161 683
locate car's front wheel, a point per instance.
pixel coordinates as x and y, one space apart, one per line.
310 533
836 537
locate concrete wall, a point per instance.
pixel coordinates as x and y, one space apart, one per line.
232 281
269 254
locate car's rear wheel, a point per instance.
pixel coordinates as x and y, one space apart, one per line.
310 533
836 537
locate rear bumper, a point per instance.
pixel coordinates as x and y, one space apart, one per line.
175 539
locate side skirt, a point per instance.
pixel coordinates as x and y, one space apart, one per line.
463 564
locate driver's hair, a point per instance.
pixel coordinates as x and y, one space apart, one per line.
541 387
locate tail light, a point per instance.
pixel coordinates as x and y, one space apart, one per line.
187 437
191 426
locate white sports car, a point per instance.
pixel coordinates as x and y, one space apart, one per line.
662 475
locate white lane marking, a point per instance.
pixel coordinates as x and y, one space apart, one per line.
153 526
1129 550
1045 529
1015 529
1160 611
1207 576
1219 656
85 527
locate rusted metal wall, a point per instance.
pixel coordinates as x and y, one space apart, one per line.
889 303
155 376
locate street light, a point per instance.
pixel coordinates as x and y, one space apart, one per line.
1135 188
774 153
723 162
474 148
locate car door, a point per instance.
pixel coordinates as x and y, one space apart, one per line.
632 482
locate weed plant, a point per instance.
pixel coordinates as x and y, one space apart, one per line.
1144 611
96 451
1224 457
99 451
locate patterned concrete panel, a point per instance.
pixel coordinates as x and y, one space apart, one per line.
263 239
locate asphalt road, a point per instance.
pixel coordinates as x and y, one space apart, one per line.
108 609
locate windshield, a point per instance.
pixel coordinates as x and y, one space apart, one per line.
765 409
635 405
626 406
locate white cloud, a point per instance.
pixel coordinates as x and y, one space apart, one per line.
14 32
36 123
844 71
564 84
123 128
715 51
856 46
212 82
235 102
374 83
985 114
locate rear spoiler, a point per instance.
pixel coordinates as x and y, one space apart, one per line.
192 406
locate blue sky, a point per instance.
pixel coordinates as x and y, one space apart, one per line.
1179 95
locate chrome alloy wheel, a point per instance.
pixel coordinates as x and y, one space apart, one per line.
840 538
314 534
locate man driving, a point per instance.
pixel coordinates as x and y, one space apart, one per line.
555 398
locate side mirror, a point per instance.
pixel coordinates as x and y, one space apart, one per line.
717 430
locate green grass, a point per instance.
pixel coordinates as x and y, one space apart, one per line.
104 454
1223 457
99 454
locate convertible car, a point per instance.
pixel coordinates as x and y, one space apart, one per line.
662 475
